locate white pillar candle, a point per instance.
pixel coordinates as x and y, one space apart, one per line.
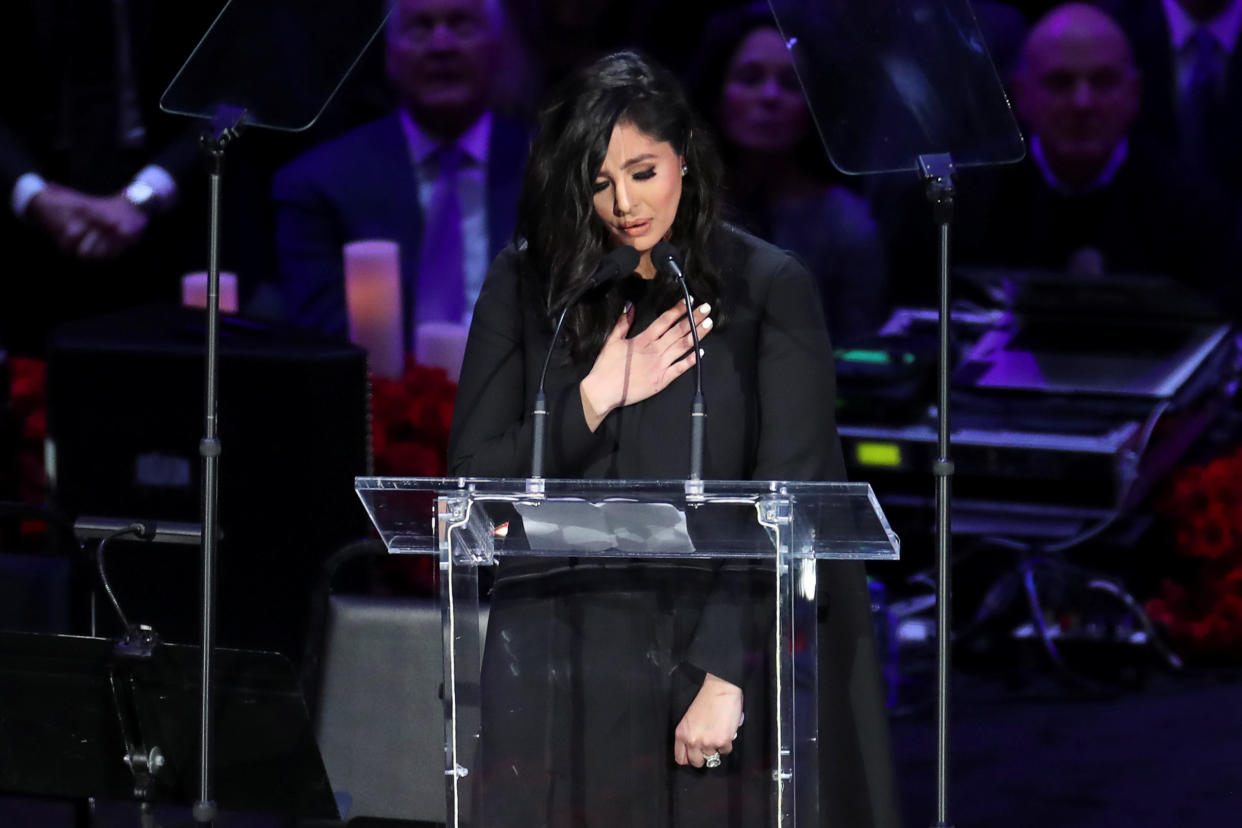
441 344
194 290
373 302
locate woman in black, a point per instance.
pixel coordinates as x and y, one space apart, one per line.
613 694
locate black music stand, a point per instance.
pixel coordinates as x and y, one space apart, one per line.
84 717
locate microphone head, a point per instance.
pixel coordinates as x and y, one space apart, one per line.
664 254
620 261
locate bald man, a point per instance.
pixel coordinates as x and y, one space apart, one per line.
1077 89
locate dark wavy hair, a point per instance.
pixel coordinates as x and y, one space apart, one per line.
563 238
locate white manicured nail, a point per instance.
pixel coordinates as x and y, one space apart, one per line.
705 308
706 324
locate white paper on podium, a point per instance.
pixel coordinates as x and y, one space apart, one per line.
621 525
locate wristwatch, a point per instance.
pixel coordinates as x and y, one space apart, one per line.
143 196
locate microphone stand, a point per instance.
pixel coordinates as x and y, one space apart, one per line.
539 416
698 417
664 255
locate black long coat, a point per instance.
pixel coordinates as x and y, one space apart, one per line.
769 388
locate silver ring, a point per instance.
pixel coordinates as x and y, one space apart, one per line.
712 760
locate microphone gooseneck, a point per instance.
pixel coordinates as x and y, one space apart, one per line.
619 262
665 257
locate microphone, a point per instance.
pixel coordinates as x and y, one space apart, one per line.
665 257
620 261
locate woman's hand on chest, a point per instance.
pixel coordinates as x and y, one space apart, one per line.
630 370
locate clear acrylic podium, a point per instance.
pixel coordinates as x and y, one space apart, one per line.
472 523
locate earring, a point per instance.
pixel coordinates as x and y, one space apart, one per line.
684 169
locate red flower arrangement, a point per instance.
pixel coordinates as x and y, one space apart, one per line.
1203 615
29 406
410 420
28 410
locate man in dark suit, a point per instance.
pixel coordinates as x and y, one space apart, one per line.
89 167
440 175
1188 53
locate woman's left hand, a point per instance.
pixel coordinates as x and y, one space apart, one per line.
710 723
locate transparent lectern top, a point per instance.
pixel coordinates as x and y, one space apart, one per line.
627 518
890 80
279 61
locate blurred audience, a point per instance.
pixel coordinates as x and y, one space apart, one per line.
1127 154
439 175
1090 197
92 170
1004 30
780 183
561 35
1187 51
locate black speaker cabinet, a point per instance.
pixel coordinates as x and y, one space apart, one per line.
125 417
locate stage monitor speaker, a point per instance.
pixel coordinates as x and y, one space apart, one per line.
125 417
381 713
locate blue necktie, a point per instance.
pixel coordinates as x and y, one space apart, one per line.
441 281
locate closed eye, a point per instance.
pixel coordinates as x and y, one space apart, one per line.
643 175
601 185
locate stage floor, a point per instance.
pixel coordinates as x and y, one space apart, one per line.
1027 753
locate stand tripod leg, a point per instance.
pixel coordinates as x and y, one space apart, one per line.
1031 585
1037 614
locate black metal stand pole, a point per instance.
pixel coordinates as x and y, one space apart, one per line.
937 171
224 129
